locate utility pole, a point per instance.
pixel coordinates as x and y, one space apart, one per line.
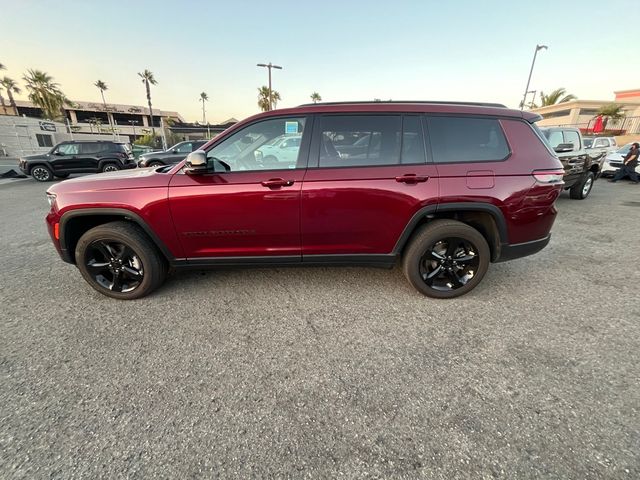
269 66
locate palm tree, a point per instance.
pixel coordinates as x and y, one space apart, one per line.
315 97
102 87
204 98
148 80
555 97
263 98
11 87
46 94
611 112
2 67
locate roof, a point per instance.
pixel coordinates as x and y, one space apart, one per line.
401 107
111 107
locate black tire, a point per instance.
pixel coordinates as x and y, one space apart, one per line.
155 163
110 167
437 275
581 190
110 253
62 175
42 173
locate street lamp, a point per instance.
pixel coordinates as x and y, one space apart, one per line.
269 66
133 123
526 90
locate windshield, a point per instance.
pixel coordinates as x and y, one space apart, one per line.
587 142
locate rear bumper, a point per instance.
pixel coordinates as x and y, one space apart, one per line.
519 250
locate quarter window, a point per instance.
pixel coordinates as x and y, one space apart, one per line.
467 139
267 145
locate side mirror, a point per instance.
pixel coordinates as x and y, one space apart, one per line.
564 147
196 163
175 150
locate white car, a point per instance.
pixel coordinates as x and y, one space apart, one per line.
613 161
282 149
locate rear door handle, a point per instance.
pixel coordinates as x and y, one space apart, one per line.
277 183
411 178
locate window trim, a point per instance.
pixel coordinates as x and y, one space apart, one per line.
498 119
314 150
303 156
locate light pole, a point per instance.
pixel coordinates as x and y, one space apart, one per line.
269 66
526 90
133 123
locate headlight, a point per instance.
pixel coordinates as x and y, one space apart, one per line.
51 198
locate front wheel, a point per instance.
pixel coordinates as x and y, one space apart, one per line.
155 163
446 259
118 260
42 173
581 190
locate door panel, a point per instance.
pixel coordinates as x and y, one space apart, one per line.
368 182
233 214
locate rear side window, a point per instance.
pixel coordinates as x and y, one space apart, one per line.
370 140
467 139
89 148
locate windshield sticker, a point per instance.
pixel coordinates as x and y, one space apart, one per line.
290 128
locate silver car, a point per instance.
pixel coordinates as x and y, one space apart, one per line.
613 161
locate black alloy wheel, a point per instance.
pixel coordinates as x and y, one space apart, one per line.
449 264
114 266
446 258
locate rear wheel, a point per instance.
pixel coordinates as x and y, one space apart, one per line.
110 167
118 260
581 190
42 173
446 259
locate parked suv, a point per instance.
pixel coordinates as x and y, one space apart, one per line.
78 157
173 155
580 168
446 187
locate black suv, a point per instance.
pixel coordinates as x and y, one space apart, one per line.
175 154
78 157
580 168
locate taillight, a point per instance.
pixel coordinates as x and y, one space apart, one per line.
548 176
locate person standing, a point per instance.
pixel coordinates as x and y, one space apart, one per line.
629 165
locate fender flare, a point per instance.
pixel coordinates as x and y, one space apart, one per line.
494 211
118 212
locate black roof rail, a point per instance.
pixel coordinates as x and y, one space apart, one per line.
432 102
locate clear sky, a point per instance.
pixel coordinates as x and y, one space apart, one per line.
345 50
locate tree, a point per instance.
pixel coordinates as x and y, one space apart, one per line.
2 67
46 94
263 98
611 112
315 97
148 80
11 87
204 98
102 87
557 96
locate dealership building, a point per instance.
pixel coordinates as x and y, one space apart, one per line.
583 113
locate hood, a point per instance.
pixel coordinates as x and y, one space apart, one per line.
37 156
120 180
615 156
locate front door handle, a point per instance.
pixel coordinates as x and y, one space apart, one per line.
411 178
277 183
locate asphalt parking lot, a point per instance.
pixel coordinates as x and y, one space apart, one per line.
326 372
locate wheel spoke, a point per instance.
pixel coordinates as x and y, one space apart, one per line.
457 281
117 282
132 272
105 250
435 255
434 273
97 267
466 258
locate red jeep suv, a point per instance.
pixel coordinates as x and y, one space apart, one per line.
447 187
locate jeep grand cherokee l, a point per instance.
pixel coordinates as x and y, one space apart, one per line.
446 187
78 157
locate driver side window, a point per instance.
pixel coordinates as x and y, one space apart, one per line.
68 149
260 147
